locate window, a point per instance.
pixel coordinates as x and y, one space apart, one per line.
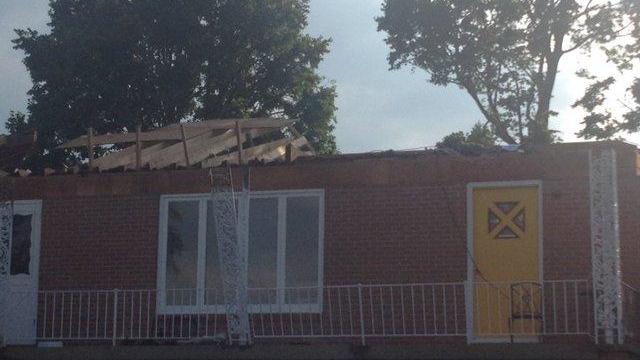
20 245
284 252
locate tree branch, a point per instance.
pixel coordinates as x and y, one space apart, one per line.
501 131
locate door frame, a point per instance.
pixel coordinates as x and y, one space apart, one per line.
469 286
36 207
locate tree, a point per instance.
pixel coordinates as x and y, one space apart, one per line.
17 123
480 138
602 121
504 53
112 65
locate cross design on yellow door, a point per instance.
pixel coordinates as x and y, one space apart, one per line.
506 220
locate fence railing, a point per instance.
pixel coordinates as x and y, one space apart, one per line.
454 309
391 310
554 307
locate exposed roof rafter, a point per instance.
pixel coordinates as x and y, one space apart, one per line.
173 132
207 143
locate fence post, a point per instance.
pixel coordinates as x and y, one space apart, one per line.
114 330
362 337
3 310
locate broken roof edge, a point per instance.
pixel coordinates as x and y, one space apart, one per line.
386 154
497 150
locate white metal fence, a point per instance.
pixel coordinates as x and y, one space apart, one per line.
554 307
562 307
631 312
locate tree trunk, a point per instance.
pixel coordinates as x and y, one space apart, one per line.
539 128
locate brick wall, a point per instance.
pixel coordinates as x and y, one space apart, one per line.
389 218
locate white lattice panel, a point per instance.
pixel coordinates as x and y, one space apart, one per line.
605 246
5 236
231 232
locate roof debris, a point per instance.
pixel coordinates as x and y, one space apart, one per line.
207 144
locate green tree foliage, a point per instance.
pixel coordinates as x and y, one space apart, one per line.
601 121
480 138
17 123
114 64
504 53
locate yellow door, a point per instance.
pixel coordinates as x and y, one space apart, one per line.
506 293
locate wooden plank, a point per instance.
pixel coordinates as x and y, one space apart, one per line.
200 148
239 141
174 154
165 152
279 153
174 133
267 152
288 155
138 148
164 134
184 145
249 123
296 133
126 156
207 151
90 147
297 150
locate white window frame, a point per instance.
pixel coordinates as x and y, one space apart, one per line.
200 307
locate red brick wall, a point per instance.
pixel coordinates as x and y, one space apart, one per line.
394 218
99 242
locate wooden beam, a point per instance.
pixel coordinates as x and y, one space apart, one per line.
200 148
173 132
249 123
90 147
127 156
163 134
164 154
288 156
184 145
297 152
296 133
174 154
138 148
239 141
269 151
279 153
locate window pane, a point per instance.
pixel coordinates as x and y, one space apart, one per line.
182 252
213 274
263 248
21 244
301 262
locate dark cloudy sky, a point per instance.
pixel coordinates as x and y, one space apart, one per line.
378 109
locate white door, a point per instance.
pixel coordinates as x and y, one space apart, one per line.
20 285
